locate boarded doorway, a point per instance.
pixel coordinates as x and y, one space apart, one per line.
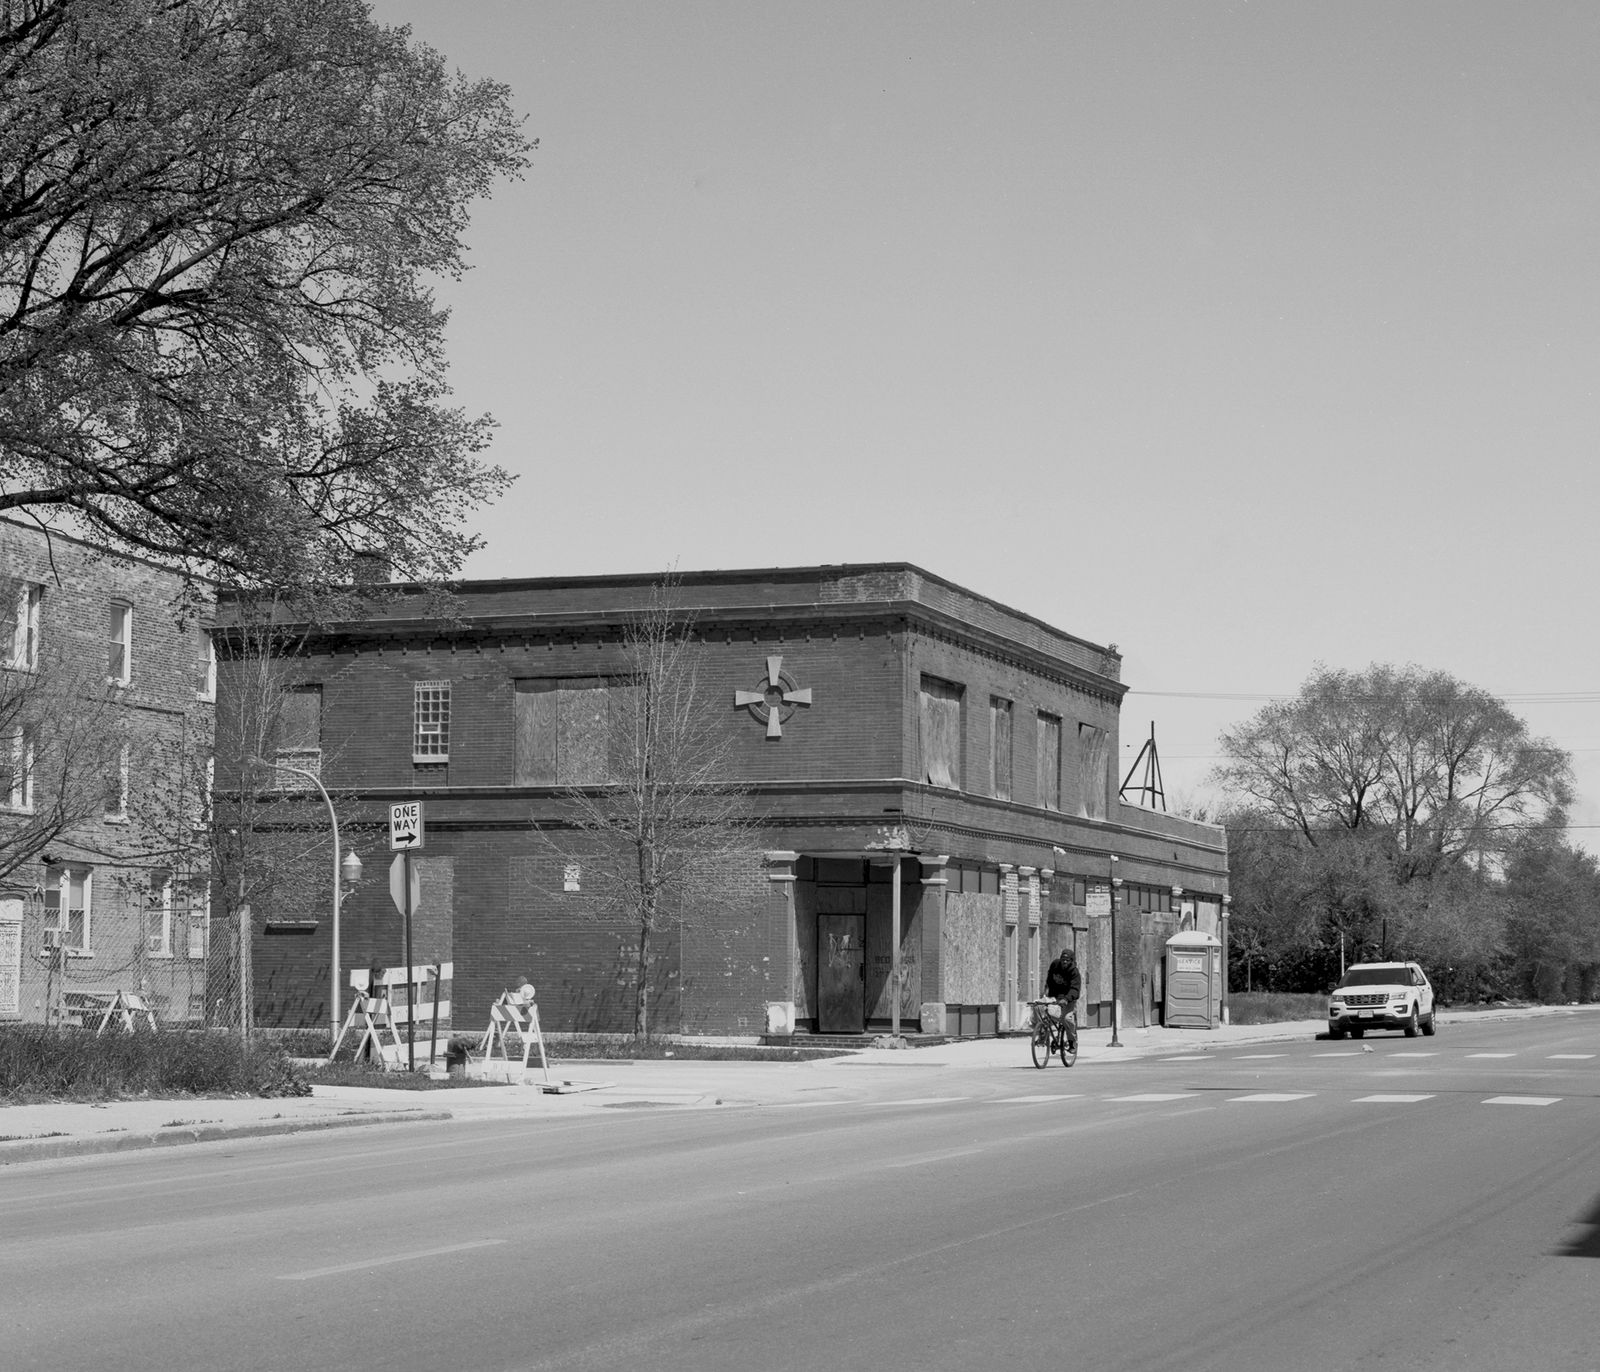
841 988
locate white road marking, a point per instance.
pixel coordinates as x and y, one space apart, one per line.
1570 1057
1191 1057
1522 1100
1150 1097
1491 1055
385 1261
1256 1057
925 1100
1390 1100
1031 1100
1274 1097
804 1104
926 1158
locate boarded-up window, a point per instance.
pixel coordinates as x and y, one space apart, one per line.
300 732
1092 763
941 732
564 731
999 748
1049 761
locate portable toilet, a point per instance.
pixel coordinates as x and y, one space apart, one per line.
1194 980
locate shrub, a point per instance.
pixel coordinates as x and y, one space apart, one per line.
39 1061
1274 1007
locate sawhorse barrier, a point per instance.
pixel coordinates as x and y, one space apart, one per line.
127 1008
387 998
515 1012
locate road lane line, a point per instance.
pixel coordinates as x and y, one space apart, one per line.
1191 1057
1570 1057
1150 1097
1274 1097
1491 1055
1032 1100
1390 1100
926 1158
1257 1057
1522 1100
925 1100
385 1261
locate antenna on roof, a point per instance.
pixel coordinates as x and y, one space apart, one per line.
1149 790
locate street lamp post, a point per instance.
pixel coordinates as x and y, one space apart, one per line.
1116 990
348 869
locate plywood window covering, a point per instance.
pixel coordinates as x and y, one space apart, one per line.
563 730
431 737
300 733
999 748
941 732
1092 763
1049 761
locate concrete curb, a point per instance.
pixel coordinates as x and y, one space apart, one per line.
72 1146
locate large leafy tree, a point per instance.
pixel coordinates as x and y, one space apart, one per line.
219 225
1380 810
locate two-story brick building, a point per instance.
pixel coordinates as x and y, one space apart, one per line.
920 758
107 684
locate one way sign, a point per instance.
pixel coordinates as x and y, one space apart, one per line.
405 826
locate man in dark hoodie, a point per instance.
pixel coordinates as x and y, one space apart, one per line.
1064 982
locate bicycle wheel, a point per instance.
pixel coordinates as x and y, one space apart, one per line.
1042 1046
1069 1049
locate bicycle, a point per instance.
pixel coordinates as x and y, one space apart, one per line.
1050 1034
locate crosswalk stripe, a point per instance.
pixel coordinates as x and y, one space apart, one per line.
1191 1057
1570 1057
1491 1055
1256 1057
1522 1100
1150 1097
1032 1100
1274 1097
1390 1100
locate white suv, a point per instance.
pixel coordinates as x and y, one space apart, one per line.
1381 995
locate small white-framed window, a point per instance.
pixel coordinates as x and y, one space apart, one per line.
199 917
20 627
119 656
16 757
431 737
205 686
117 784
68 894
158 916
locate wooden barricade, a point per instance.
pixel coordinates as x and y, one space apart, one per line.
125 1008
515 1012
386 999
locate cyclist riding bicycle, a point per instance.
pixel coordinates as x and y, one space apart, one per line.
1063 982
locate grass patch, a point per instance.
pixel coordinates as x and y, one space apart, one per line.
1274 1007
44 1063
344 1073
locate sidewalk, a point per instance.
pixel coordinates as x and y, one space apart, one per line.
65 1129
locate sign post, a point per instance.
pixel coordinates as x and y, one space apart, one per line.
405 838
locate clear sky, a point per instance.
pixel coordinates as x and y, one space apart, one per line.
1242 335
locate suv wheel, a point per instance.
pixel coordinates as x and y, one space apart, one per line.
1428 1025
1413 1025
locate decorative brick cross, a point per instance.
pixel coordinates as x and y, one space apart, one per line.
777 698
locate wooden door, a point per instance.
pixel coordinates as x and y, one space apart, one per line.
10 968
841 979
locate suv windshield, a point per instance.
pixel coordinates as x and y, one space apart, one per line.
1376 976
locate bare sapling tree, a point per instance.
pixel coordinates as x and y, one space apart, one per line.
659 841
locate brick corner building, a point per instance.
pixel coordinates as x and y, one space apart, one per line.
920 758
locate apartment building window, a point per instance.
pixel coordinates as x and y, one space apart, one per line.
999 748
199 916
1094 762
1049 761
67 895
205 686
117 784
16 778
300 734
431 737
158 916
119 659
19 629
940 731
563 730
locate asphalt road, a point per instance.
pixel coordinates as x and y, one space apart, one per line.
1432 1203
